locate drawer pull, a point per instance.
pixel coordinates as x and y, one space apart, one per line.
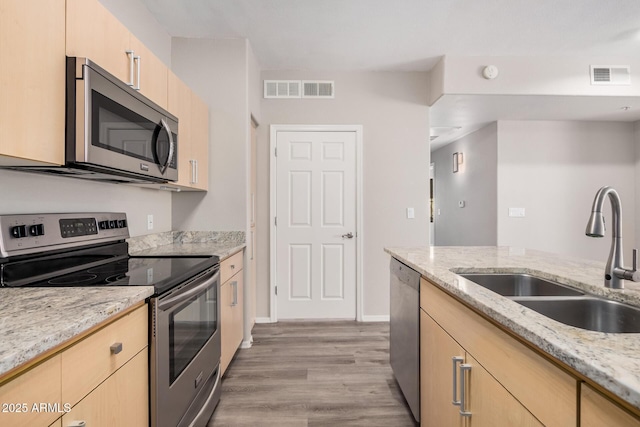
77 424
455 360
233 266
116 348
463 390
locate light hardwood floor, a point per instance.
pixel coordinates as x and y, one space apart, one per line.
313 374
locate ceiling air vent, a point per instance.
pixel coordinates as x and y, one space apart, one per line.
610 75
282 88
318 89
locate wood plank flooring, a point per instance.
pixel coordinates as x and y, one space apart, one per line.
313 374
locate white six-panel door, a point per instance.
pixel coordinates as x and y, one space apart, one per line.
316 225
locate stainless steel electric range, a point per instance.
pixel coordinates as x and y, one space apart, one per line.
89 249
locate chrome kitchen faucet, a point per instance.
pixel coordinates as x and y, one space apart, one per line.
615 273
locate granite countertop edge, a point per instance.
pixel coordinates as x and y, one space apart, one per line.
609 360
222 250
35 321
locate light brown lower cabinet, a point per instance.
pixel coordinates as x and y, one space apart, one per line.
102 378
457 391
507 380
121 400
597 411
232 318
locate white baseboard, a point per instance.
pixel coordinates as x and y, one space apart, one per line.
246 344
263 320
379 318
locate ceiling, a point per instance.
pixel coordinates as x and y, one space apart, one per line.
407 35
412 35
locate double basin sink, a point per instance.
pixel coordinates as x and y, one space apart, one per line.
562 303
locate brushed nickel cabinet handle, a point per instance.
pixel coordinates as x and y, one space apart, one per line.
463 391
235 294
138 59
116 348
77 423
455 360
130 54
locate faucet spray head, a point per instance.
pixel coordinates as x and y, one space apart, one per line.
595 226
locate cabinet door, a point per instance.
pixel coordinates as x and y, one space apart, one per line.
597 411
490 404
226 326
437 349
179 102
200 141
153 73
237 283
32 101
122 400
36 386
92 32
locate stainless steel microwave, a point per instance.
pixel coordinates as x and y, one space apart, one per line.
112 129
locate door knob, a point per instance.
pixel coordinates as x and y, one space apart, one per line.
349 235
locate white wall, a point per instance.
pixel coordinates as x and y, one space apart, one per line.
475 183
553 170
217 71
22 192
392 107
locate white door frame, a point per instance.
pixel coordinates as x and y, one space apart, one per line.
274 129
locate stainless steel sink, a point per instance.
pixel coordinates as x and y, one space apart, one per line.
511 285
593 314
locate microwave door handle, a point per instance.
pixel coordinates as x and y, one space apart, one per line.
182 296
172 146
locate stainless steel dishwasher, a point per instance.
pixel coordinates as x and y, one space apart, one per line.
404 333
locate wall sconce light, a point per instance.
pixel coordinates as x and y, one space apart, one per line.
457 161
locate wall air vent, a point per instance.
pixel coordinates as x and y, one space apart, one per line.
318 89
282 88
610 75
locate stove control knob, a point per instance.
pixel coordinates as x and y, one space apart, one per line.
113 224
122 223
103 225
19 231
36 230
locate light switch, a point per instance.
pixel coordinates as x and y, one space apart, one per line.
411 213
516 212
149 222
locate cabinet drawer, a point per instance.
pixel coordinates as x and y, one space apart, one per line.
122 400
230 266
39 385
542 387
91 361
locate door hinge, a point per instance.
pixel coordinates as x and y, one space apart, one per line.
275 221
276 152
276 291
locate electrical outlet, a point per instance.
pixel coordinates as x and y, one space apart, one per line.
461 204
149 222
411 213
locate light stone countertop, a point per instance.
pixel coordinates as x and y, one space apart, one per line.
36 320
610 360
222 250
188 243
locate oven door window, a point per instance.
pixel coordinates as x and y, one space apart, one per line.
191 325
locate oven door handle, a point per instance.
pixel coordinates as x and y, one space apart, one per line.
182 296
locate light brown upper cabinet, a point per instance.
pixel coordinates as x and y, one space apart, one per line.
193 135
32 101
92 32
200 142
